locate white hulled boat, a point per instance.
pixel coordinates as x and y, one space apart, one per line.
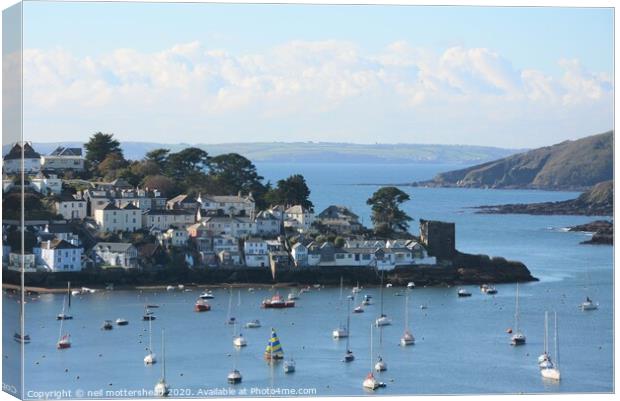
553 372
407 338
518 338
161 388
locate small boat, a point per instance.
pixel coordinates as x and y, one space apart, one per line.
348 356
518 338
240 341
122 322
206 295
588 304
356 289
383 321
181 287
292 296
63 316
488 289
411 285
64 342
21 338
152 306
202 306
274 350
161 388
380 366
170 288
407 338
148 313
64 339
234 377
388 285
423 306
254 324
276 302
107 325
366 302
340 332
552 371
317 286
358 309
289 366
370 382
463 293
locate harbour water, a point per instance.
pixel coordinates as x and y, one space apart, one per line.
461 343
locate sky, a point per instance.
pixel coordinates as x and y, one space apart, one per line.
214 73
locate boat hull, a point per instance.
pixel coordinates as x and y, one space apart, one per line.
550 373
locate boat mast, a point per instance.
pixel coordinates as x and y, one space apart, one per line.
163 355
517 310
407 312
69 292
62 320
371 365
150 338
381 293
546 341
557 348
348 322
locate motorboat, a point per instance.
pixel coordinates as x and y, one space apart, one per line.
122 322
276 302
348 356
411 285
107 325
463 293
289 366
588 304
240 341
254 324
383 321
206 295
63 316
64 342
202 306
340 332
170 288
358 309
234 377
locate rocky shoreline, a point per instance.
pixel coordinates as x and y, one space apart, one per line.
462 269
603 232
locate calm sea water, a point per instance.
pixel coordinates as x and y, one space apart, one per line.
461 344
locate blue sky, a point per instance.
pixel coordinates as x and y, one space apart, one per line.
224 72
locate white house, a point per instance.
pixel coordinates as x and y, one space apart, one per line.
63 158
300 254
11 163
238 226
46 183
299 218
61 256
112 218
70 207
143 199
116 254
164 219
174 237
231 205
267 224
256 252
225 243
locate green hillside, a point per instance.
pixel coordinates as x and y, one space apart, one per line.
575 164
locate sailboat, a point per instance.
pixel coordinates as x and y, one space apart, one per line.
348 356
553 372
289 365
238 340
64 340
370 382
161 388
382 320
234 376
63 315
407 338
381 365
588 304
341 332
518 338
544 360
150 358
274 350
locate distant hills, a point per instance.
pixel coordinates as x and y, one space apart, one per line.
319 152
570 165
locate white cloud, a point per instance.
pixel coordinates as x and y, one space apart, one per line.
473 89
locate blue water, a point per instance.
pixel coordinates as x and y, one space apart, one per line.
461 344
